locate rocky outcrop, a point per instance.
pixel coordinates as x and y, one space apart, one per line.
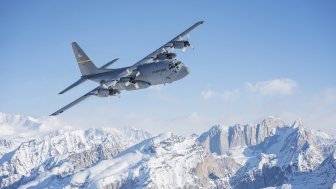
269 154
220 138
64 152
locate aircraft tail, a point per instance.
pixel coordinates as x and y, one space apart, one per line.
86 66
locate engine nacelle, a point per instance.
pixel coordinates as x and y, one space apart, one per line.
102 92
114 92
181 44
134 85
106 92
164 56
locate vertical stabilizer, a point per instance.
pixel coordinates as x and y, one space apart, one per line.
86 66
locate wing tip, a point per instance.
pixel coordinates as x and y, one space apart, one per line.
62 92
56 113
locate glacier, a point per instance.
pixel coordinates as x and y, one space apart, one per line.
270 154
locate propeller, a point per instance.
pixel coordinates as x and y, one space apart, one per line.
128 71
109 84
188 36
127 83
136 85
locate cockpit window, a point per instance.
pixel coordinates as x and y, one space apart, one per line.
174 65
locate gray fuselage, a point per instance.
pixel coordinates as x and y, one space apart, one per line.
145 75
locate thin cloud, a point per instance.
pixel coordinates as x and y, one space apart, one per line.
226 95
230 94
271 87
207 94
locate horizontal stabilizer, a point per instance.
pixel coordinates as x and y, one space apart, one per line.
81 80
108 64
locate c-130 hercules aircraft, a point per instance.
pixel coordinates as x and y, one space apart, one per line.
159 67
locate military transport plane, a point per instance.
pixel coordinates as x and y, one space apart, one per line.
159 67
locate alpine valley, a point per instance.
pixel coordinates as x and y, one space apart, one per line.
270 154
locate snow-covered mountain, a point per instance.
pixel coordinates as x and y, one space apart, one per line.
15 129
271 154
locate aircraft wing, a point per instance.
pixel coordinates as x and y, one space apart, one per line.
75 102
79 81
167 45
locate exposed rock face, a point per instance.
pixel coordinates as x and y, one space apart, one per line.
62 152
165 161
220 139
5 145
285 156
216 171
269 154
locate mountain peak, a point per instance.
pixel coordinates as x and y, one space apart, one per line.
219 139
19 120
271 121
297 124
262 155
27 127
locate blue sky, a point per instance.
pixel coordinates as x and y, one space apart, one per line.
252 59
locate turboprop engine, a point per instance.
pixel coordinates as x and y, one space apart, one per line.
134 84
164 56
181 44
106 92
131 82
